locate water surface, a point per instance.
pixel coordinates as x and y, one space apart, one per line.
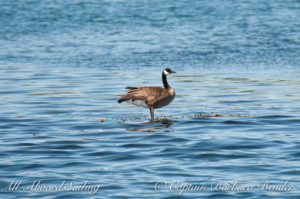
234 121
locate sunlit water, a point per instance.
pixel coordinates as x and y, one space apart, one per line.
234 123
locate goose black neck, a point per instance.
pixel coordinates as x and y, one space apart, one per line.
165 82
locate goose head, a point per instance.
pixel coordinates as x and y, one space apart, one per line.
168 71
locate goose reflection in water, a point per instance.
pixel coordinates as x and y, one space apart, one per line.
153 128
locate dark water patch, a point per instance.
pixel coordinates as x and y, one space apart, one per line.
218 157
25 167
9 126
236 122
169 155
197 120
252 167
74 164
49 152
68 147
245 146
277 121
34 166
156 137
102 153
274 117
85 127
26 144
136 145
296 155
53 112
125 157
174 174
177 140
12 92
15 120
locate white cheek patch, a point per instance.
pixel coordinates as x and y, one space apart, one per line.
138 103
166 72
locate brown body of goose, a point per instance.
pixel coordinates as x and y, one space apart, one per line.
151 97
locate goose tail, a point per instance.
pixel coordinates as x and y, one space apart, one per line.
131 88
124 98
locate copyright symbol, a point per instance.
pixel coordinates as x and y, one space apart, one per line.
160 186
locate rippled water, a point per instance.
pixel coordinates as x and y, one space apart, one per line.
233 127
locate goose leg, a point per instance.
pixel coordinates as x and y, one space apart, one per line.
152 114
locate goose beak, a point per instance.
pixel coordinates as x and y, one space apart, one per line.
173 71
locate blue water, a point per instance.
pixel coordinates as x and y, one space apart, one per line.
231 132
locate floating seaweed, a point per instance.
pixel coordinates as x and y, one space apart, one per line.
164 118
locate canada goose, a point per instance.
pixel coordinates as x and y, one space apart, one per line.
151 97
